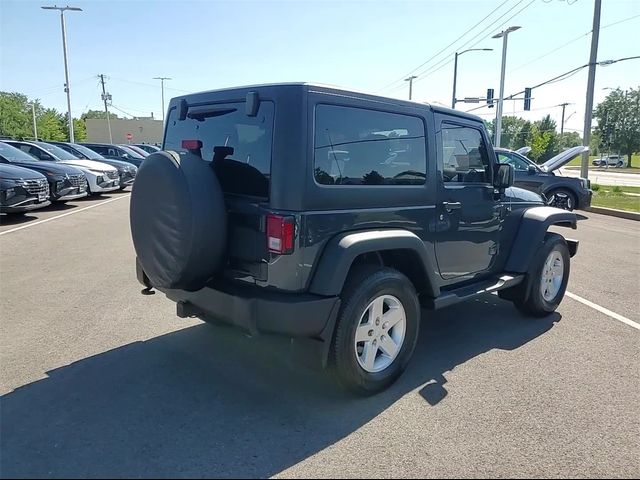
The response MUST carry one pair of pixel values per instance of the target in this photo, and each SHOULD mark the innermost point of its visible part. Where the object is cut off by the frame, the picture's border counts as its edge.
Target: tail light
(280, 233)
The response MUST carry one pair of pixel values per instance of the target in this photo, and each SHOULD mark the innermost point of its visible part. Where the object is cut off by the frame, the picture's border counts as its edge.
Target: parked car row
(34, 174)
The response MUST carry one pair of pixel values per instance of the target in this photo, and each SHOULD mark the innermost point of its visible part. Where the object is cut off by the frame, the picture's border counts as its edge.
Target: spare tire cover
(178, 220)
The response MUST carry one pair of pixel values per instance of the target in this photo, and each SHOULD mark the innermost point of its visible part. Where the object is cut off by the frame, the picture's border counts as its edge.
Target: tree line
(16, 120)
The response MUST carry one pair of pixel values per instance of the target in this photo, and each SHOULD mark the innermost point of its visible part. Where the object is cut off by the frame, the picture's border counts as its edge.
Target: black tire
(364, 285)
(562, 198)
(529, 299)
(619, 164)
(178, 220)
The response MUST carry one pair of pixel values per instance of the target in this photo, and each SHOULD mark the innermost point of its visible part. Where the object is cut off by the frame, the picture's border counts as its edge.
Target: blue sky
(362, 45)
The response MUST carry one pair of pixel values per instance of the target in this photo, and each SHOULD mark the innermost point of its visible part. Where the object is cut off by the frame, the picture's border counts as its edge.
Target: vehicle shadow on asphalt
(17, 219)
(210, 401)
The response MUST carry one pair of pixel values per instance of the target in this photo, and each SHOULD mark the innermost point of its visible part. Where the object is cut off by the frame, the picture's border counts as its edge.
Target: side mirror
(532, 169)
(504, 176)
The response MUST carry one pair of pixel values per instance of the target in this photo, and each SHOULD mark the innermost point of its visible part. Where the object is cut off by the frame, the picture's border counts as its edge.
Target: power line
(435, 68)
(563, 76)
(445, 48)
(571, 42)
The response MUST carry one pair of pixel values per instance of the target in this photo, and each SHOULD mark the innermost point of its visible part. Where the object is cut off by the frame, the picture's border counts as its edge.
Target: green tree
(569, 139)
(619, 122)
(100, 114)
(51, 126)
(514, 132)
(594, 143)
(15, 115)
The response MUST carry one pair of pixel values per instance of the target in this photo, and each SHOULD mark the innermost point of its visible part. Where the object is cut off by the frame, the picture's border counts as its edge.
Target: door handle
(450, 206)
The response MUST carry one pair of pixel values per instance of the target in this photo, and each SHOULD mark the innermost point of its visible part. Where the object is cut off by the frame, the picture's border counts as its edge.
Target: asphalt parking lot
(100, 381)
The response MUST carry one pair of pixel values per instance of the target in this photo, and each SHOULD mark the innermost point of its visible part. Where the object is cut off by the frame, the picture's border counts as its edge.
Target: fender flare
(341, 251)
(534, 224)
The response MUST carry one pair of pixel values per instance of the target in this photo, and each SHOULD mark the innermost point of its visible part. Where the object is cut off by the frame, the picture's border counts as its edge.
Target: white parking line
(606, 311)
(63, 215)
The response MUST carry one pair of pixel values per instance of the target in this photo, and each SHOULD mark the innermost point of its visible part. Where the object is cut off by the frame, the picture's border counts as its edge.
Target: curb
(614, 213)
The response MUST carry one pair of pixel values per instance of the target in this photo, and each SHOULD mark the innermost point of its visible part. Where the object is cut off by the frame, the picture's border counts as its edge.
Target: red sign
(129, 136)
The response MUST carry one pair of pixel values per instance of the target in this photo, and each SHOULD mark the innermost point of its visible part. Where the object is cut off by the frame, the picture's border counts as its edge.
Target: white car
(618, 161)
(101, 178)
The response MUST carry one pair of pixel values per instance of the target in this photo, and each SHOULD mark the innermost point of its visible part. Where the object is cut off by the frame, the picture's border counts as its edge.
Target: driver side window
(464, 154)
(518, 164)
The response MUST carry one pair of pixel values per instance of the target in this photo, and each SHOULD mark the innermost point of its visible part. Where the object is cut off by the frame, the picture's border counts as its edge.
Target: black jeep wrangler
(331, 217)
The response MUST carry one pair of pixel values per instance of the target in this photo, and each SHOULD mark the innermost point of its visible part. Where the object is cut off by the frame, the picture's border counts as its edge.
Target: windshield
(139, 151)
(58, 152)
(87, 152)
(131, 152)
(13, 154)
(246, 170)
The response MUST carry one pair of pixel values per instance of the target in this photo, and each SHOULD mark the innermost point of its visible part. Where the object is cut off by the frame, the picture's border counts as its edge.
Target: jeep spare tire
(178, 220)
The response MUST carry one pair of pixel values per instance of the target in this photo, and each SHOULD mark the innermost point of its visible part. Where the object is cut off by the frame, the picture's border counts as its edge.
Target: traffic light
(490, 97)
(527, 99)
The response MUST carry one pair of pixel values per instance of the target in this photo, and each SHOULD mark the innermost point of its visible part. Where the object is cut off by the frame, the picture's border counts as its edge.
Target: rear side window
(247, 170)
(355, 146)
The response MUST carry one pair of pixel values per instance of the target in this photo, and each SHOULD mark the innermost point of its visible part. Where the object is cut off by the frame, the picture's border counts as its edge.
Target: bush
(595, 187)
(617, 189)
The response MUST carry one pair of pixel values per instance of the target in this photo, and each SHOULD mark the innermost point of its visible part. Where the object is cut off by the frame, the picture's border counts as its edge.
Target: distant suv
(330, 217)
(610, 161)
(560, 191)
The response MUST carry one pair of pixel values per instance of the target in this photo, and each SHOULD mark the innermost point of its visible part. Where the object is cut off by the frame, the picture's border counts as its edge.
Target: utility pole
(162, 79)
(35, 126)
(588, 109)
(410, 80)
(67, 88)
(504, 34)
(563, 105)
(106, 96)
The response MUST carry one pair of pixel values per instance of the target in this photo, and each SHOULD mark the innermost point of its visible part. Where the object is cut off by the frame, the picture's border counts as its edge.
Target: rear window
(247, 170)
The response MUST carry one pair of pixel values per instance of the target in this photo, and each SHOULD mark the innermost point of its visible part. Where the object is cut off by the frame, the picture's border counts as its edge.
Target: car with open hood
(65, 181)
(101, 178)
(560, 191)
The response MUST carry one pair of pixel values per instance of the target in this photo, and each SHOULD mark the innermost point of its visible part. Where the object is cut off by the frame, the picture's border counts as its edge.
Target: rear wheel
(376, 331)
(619, 165)
(562, 198)
(547, 281)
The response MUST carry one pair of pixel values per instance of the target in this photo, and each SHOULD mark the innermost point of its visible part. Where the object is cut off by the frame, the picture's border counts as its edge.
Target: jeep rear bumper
(257, 311)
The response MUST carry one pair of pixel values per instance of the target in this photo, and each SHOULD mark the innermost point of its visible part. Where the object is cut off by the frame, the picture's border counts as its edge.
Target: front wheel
(376, 331)
(562, 198)
(547, 281)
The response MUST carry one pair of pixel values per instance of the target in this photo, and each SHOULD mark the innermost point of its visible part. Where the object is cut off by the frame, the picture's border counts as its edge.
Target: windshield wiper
(200, 113)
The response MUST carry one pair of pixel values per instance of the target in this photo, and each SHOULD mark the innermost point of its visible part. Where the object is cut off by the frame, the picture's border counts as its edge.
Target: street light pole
(67, 88)
(162, 79)
(35, 126)
(410, 80)
(504, 34)
(455, 70)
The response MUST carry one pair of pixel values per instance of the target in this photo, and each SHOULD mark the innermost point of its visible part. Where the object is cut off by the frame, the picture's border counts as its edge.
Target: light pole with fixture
(67, 88)
(162, 79)
(455, 70)
(504, 35)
